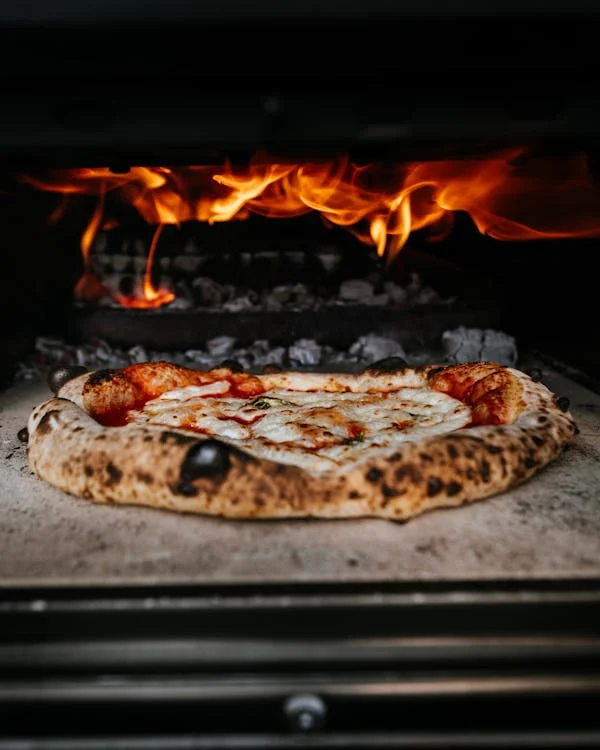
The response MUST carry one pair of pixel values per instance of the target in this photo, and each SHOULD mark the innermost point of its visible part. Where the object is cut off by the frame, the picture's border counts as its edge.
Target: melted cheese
(319, 431)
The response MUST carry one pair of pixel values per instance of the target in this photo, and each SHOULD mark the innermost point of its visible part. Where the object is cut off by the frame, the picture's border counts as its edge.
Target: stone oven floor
(548, 528)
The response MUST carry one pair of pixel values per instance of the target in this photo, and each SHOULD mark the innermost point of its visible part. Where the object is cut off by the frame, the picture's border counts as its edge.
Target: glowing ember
(508, 196)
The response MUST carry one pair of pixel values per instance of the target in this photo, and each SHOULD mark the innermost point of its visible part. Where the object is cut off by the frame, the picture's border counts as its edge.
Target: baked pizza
(392, 442)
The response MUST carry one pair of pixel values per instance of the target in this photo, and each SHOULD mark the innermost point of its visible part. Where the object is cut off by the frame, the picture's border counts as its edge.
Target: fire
(509, 196)
(148, 296)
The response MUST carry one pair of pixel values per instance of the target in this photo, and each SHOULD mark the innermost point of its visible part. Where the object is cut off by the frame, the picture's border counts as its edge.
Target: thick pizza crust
(143, 464)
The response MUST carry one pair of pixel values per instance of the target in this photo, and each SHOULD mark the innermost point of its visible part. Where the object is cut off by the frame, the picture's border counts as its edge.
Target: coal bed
(547, 528)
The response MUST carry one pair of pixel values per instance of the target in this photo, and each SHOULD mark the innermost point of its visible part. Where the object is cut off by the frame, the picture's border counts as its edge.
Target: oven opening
(311, 187)
(329, 261)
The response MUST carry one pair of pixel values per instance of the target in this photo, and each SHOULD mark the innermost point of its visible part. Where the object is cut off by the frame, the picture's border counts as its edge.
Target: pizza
(392, 441)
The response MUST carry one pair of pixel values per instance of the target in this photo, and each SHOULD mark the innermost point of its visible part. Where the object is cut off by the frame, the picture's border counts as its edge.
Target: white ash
(203, 292)
(239, 304)
(208, 292)
(371, 348)
(120, 262)
(305, 353)
(355, 290)
(180, 303)
(220, 346)
(397, 295)
(139, 264)
(187, 263)
(468, 344)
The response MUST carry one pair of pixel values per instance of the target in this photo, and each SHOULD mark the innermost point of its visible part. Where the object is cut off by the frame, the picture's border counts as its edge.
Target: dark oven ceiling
(88, 85)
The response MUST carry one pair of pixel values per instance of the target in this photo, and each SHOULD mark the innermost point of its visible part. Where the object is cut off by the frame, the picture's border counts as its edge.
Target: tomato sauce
(150, 381)
(241, 420)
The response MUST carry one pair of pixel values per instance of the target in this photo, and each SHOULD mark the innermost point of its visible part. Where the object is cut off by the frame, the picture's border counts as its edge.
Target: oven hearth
(547, 527)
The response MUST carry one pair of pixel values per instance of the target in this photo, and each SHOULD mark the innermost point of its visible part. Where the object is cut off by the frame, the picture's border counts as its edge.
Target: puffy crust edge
(142, 465)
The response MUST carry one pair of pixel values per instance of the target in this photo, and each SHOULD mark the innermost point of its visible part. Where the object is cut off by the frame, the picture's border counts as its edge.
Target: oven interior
(128, 626)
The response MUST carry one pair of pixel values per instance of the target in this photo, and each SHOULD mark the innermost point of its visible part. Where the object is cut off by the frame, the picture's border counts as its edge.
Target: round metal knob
(305, 712)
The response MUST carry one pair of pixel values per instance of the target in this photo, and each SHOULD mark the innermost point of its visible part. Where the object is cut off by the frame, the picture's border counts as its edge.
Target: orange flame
(148, 296)
(509, 196)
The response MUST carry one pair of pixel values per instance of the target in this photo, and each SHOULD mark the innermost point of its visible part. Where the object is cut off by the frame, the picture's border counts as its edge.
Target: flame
(509, 196)
(148, 296)
(89, 288)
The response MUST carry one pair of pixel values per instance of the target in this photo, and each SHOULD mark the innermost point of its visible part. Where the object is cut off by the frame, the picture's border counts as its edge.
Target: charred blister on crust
(535, 374)
(186, 489)
(563, 403)
(205, 459)
(373, 475)
(99, 377)
(176, 438)
(387, 366)
(434, 486)
(46, 423)
(61, 374)
(114, 474)
(246, 458)
(230, 364)
(493, 449)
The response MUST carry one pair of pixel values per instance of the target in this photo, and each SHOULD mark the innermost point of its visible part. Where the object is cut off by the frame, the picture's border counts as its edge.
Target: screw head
(305, 712)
